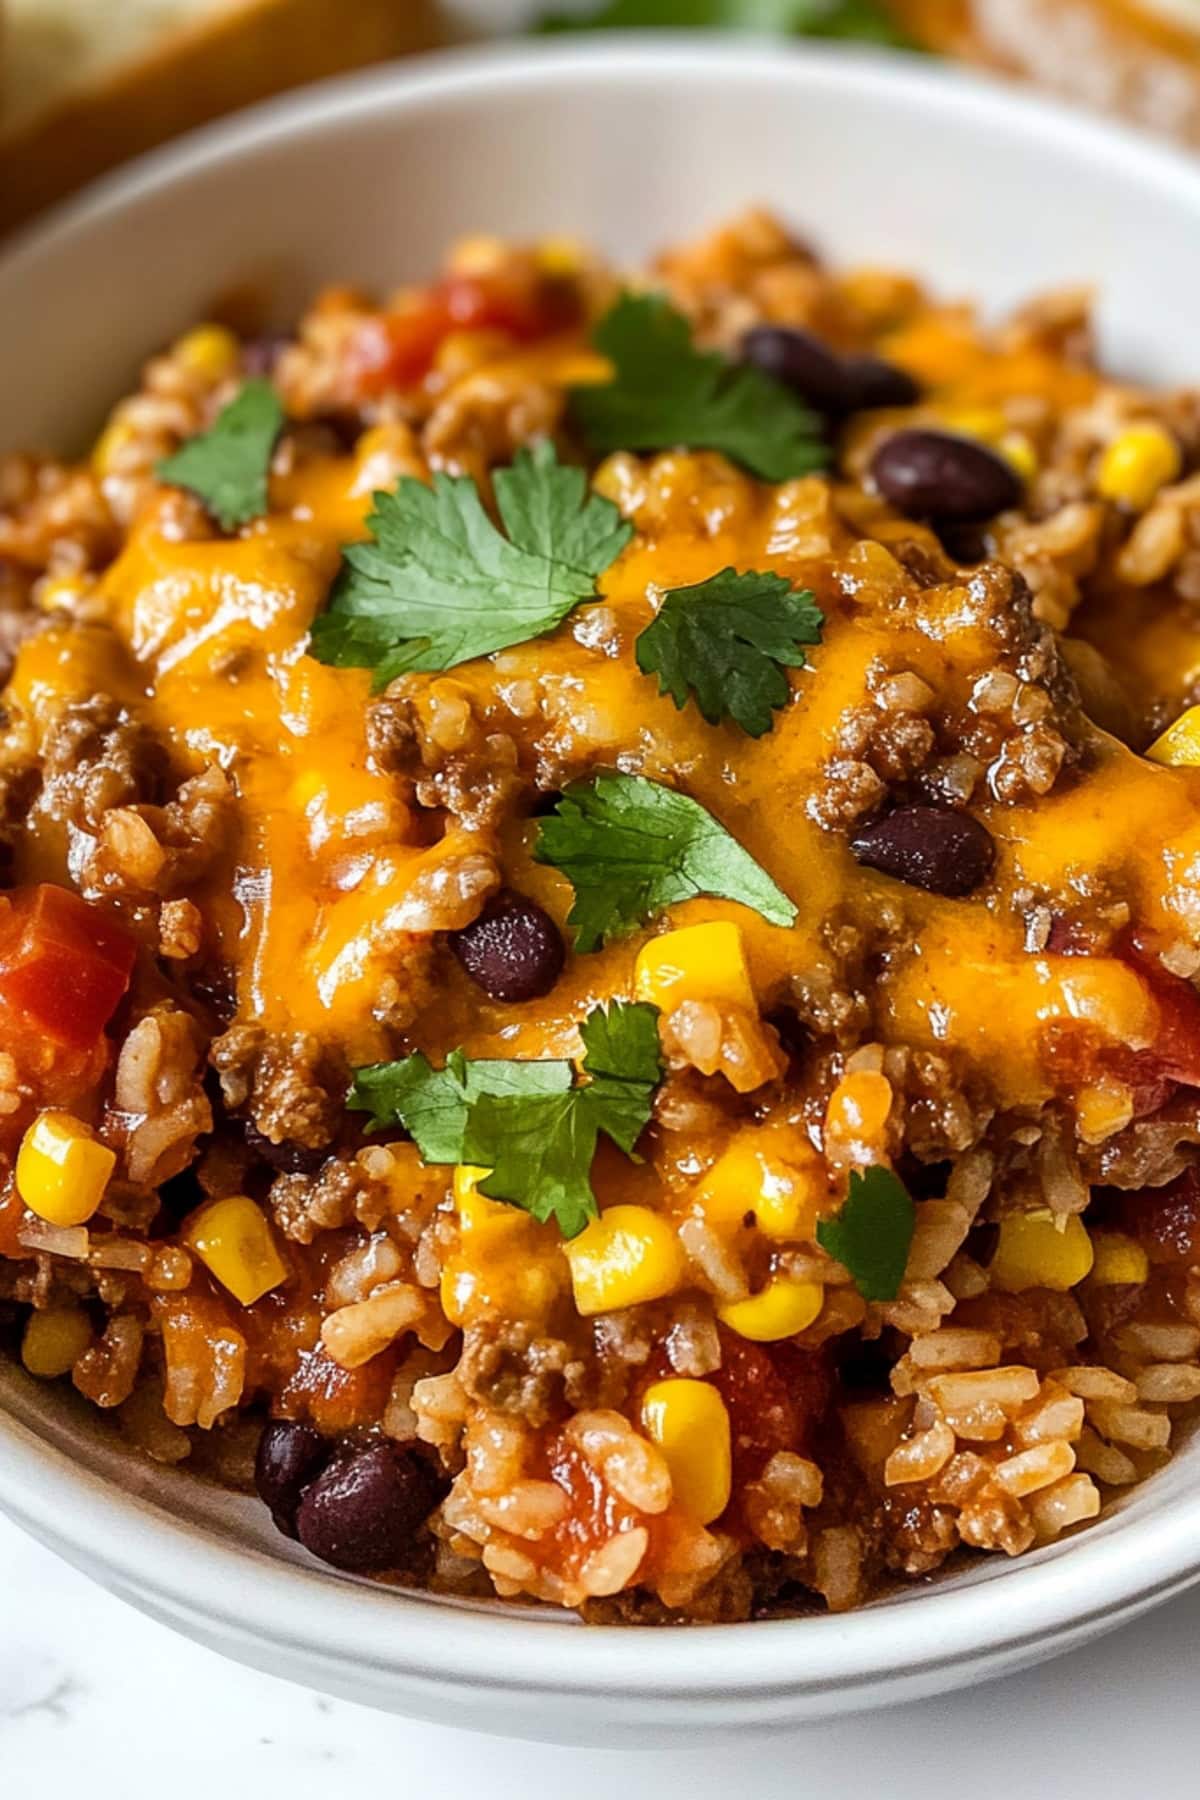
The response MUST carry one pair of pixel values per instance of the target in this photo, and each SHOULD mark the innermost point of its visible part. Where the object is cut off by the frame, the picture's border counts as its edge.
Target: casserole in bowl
(441, 113)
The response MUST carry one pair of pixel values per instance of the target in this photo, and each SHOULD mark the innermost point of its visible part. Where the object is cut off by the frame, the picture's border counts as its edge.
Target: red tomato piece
(64, 965)
(1166, 1220)
(775, 1398)
(1175, 1053)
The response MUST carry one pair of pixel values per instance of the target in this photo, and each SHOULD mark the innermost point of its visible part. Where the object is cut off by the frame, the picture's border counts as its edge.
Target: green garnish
(864, 21)
(631, 847)
(228, 465)
(439, 584)
(525, 1121)
(727, 642)
(665, 394)
(872, 1233)
(540, 1148)
(433, 1105)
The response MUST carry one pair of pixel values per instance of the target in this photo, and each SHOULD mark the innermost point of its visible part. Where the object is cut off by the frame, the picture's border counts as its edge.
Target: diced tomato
(64, 965)
(1166, 1220)
(1175, 1054)
(336, 1399)
(774, 1398)
(396, 350)
(524, 309)
(12, 1212)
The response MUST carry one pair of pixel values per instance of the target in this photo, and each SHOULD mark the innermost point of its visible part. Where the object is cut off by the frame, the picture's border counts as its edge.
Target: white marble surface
(99, 1702)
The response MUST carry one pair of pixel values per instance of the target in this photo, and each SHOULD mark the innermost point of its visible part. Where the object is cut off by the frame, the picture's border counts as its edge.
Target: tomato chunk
(396, 350)
(64, 965)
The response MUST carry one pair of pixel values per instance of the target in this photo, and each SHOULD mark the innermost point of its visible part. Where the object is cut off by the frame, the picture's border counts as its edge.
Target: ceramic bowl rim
(189, 1572)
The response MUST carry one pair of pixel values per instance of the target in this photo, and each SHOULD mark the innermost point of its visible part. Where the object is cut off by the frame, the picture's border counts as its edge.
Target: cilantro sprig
(665, 394)
(863, 21)
(527, 1123)
(434, 1105)
(438, 584)
(631, 847)
(727, 641)
(872, 1233)
(228, 465)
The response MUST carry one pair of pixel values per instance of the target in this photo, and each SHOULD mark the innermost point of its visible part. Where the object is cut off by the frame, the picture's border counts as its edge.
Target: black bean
(800, 361)
(290, 1455)
(935, 475)
(365, 1509)
(260, 354)
(874, 382)
(513, 950)
(794, 1035)
(928, 847)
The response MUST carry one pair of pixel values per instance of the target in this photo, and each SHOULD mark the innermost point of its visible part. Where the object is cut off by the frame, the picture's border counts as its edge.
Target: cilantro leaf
(872, 1233)
(228, 465)
(664, 393)
(539, 1150)
(727, 641)
(865, 21)
(433, 1105)
(438, 584)
(631, 847)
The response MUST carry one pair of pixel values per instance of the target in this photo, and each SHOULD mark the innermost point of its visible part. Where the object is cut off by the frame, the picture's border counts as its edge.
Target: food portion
(601, 923)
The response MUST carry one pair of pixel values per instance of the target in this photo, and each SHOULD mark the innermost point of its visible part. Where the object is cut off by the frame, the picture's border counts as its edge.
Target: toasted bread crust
(242, 53)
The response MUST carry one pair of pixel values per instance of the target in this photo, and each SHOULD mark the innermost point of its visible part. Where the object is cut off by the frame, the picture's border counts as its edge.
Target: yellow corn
(1034, 1251)
(772, 1172)
(561, 256)
(689, 1423)
(697, 962)
(235, 1243)
(1119, 1260)
(986, 423)
(62, 1171)
(505, 1262)
(209, 351)
(1018, 451)
(627, 1255)
(116, 437)
(1136, 464)
(55, 1340)
(781, 1310)
(1179, 744)
(857, 1114)
(1103, 1107)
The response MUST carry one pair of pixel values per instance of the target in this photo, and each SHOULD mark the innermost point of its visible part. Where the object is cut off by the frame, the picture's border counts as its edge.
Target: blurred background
(85, 84)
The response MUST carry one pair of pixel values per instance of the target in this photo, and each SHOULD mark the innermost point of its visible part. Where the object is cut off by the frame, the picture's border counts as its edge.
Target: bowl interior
(982, 192)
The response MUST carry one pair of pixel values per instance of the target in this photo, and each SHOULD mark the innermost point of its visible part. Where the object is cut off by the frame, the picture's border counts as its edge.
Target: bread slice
(89, 83)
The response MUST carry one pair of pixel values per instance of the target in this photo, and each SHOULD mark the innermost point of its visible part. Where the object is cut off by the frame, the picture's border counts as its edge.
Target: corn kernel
(62, 1171)
(1119, 1260)
(628, 1255)
(781, 1310)
(506, 1263)
(986, 423)
(1102, 1108)
(689, 1423)
(1019, 453)
(1179, 744)
(116, 437)
(55, 1340)
(561, 256)
(235, 1243)
(771, 1172)
(857, 1114)
(209, 351)
(1136, 464)
(1033, 1251)
(697, 962)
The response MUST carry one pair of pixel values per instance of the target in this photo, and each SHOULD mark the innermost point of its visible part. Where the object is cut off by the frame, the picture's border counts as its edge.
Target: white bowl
(896, 161)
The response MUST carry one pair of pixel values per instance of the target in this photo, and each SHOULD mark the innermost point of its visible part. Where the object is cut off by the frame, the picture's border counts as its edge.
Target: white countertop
(97, 1702)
